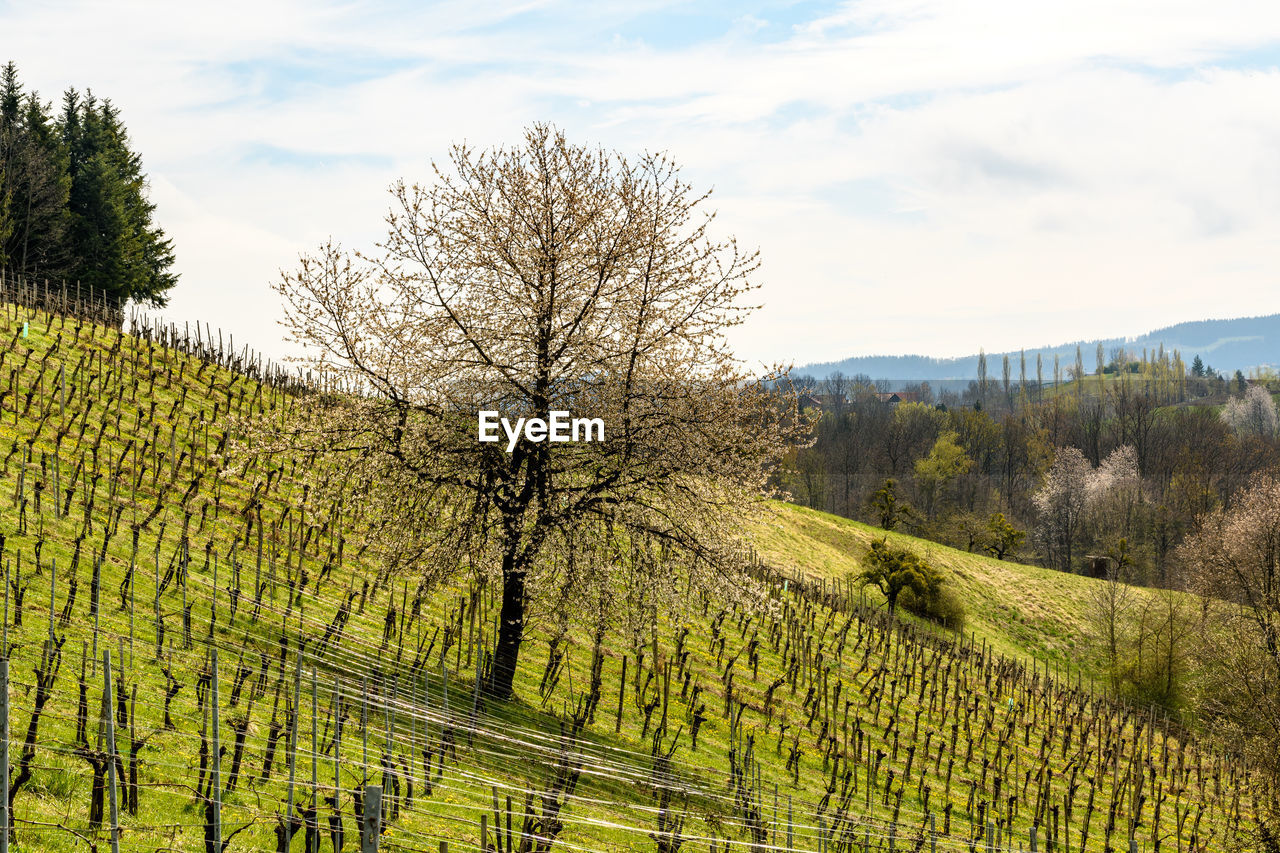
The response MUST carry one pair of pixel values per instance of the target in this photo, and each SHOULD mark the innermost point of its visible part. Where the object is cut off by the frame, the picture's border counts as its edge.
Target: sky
(922, 176)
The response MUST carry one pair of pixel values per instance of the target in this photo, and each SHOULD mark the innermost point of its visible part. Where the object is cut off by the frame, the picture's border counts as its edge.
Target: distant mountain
(1224, 345)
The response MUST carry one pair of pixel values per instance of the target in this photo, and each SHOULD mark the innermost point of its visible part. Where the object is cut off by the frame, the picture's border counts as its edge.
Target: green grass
(1015, 612)
(1018, 609)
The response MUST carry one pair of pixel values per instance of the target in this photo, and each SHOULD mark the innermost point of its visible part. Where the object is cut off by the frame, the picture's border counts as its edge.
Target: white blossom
(1252, 414)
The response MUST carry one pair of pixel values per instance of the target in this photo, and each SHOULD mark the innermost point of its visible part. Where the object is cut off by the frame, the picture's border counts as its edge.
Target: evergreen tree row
(73, 197)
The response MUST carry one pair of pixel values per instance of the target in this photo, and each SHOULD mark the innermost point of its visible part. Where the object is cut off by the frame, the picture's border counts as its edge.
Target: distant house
(825, 402)
(808, 401)
(899, 397)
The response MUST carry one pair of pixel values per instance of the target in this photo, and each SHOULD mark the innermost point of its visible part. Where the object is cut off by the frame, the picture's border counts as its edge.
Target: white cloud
(920, 176)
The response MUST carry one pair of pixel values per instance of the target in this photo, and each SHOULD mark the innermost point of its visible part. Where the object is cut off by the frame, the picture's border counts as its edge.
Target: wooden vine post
(108, 723)
(371, 832)
(4, 743)
(215, 822)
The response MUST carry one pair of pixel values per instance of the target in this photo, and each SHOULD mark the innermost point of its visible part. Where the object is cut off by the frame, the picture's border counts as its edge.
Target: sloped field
(818, 725)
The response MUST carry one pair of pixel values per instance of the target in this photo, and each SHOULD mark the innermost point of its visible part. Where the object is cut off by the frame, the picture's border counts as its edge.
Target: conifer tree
(33, 184)
(73, 198)
(115, 247)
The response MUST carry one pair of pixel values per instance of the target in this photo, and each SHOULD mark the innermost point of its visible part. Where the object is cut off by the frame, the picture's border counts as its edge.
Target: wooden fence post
(364, 726)
(390, 717)
(156, 607)
(371, 832)
(95, 585)
(53, 598)
(315, 746)
(475, 700)
(337, 750)
(213, 603)
(293, 750)
(444, 700)
(622, 692)
(217, 756)
(4, 748)
(108, 720)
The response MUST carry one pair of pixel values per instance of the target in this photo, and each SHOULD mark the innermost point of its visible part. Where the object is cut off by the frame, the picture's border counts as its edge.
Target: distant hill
(1225, 345)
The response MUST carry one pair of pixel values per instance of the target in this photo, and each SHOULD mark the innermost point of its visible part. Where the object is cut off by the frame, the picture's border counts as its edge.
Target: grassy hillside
(1019, 610)
(820, 726)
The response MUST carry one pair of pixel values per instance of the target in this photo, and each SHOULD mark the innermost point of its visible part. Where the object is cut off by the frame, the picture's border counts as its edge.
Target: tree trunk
(510, 629)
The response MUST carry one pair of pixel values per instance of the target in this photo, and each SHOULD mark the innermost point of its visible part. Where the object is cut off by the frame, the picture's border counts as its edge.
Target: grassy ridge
(139, 428)
(1018, 609)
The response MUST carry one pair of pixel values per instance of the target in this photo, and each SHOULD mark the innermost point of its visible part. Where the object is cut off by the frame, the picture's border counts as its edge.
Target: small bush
(909, 581)
(943, 607)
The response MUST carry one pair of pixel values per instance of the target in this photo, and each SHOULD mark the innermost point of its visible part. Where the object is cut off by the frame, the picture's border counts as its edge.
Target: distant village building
(808, 401)
(824, 402)
(894, 397)
(840, 402)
